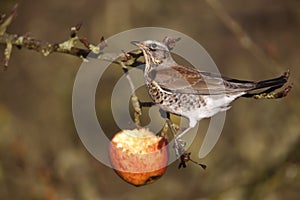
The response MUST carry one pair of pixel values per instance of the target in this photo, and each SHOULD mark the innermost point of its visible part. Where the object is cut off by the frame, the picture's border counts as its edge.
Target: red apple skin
(138, 156)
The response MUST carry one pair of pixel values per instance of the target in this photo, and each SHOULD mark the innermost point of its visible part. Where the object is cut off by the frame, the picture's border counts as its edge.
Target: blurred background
(257, 156)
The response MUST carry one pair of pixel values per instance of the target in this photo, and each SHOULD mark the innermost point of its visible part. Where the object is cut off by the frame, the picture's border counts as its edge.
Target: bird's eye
(153, 47)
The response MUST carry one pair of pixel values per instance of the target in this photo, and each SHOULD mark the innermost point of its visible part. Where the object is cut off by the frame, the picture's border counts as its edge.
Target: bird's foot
(182, 155)
(184, 158)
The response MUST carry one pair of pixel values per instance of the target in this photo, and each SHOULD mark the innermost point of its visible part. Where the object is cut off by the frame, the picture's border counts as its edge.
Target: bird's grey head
(156, 53)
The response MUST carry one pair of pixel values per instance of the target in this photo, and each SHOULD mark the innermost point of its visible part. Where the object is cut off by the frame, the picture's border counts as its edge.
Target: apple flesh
(139, 156)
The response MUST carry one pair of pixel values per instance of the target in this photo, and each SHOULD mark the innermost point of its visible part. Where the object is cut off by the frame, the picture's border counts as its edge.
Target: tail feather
(268, 86)
(275, 82)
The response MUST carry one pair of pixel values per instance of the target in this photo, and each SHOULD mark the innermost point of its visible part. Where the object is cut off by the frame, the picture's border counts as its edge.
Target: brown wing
(192, 81)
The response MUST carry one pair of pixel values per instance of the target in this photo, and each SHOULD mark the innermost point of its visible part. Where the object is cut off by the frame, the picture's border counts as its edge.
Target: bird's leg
(180, 152)
(178, 144)
(179, 135)
(185, 156)
(170, 125)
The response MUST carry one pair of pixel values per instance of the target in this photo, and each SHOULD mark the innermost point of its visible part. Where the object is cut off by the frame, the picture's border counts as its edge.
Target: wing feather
(189, 80)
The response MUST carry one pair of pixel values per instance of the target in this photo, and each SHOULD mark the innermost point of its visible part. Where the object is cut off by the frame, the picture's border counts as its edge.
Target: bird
(194, 94)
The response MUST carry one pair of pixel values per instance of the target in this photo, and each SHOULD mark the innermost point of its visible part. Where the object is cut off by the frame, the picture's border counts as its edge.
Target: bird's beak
(138, 44)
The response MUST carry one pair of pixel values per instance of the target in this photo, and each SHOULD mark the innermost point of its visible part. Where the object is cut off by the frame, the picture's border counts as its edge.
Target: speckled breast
(178, 103)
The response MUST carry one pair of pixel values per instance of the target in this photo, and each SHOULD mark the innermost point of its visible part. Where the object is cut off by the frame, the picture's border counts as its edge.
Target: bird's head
(155, 53)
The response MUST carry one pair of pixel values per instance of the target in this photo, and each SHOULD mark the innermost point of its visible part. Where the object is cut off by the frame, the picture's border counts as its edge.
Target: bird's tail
(275, 82)
(263, 89)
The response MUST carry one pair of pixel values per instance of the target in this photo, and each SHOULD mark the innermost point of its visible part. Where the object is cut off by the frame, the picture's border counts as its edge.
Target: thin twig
(134, 99)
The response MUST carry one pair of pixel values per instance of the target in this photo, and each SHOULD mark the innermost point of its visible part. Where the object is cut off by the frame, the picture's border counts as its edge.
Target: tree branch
(70, 47)
(66, 47)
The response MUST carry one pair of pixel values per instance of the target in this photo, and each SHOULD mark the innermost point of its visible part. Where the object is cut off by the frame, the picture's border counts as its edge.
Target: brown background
(42, 157)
